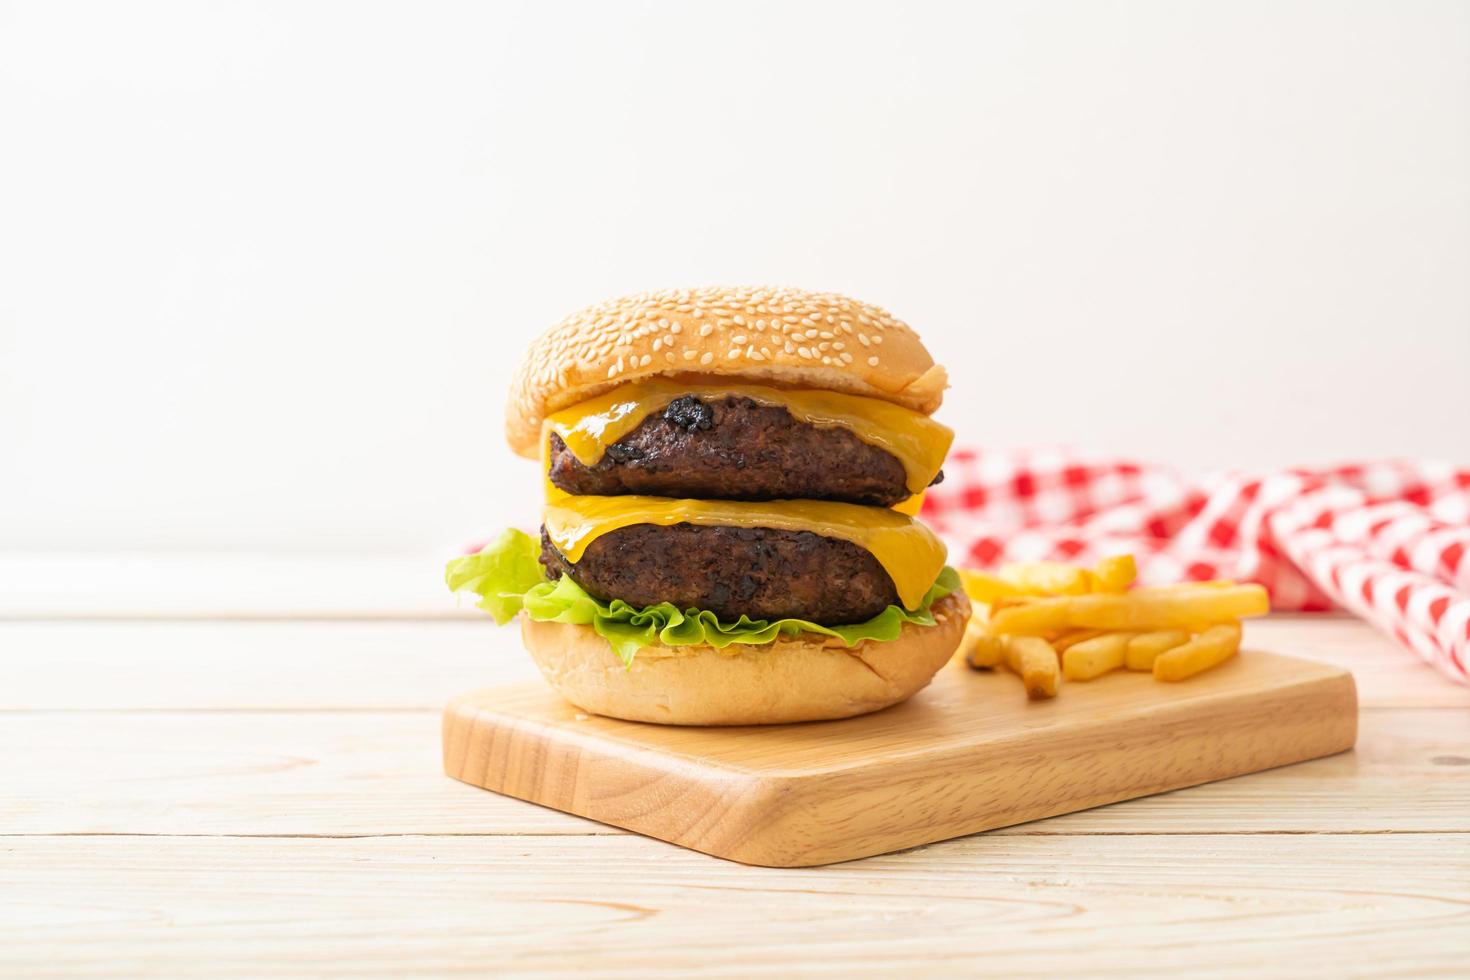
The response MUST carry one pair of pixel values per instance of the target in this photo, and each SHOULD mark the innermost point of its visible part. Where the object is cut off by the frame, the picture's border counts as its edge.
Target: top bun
(771, 335)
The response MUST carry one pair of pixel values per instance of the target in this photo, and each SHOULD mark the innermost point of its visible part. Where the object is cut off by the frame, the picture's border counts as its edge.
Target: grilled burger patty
(735, 449)
(760, 572)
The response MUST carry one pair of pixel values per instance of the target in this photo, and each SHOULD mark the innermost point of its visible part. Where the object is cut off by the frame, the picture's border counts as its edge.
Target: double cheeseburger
(728, 536)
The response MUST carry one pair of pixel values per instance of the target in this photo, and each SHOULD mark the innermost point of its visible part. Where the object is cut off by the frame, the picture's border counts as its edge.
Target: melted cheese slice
(917, 441)
(911, 505)
(908, 551)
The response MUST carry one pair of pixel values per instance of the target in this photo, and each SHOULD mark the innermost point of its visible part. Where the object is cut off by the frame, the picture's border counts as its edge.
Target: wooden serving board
(968, 753)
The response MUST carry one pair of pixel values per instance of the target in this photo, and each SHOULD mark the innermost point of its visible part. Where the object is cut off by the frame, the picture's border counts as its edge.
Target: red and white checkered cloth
(1389, 541)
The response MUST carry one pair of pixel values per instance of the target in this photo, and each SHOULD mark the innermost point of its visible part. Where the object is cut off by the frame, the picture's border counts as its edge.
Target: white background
(265, 268)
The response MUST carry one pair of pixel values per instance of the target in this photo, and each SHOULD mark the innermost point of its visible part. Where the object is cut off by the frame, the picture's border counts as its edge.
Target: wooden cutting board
(968, 753)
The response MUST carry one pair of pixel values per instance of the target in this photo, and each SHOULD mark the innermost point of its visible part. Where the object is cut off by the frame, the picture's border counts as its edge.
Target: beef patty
(760, 572)
(735, 449)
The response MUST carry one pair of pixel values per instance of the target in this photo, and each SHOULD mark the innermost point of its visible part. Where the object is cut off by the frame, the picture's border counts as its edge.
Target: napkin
(1385, 540)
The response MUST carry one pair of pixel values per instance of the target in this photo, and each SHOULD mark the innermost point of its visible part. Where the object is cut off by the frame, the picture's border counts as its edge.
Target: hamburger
(731, 479)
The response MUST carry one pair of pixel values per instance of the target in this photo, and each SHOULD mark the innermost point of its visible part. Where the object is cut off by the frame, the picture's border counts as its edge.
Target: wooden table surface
(230, 766)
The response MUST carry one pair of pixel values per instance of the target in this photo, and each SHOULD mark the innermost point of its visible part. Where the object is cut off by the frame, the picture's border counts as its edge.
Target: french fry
(1211, 648)
(1095, 657)
(1071, 638)
(1211, 583)
(1012, 601)
(1048, 578)
(1141, 610)
(1115, 573)
(1036, 662)
(1144, 648)
(982, 648)
(1047, 620)
(986, 588)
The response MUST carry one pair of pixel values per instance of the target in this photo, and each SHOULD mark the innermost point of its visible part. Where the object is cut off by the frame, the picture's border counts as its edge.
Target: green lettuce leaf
(501, 573)
(507, 577)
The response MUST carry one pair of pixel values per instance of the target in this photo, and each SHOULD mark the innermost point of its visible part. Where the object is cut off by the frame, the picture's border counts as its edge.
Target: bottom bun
(810, 678)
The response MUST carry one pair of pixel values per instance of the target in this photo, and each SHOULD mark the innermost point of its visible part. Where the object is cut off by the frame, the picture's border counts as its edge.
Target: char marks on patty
(734, 448)
(759, 572)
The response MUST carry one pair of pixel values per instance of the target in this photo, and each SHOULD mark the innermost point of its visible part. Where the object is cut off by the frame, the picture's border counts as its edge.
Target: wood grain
(288, 738)
(56, 585)
(203, 664)
(264, 665)
(1387, 674)
(630, 907)
(370, 773)
(965, 755)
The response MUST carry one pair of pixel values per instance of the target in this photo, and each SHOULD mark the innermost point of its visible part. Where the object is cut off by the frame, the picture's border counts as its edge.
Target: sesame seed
(584, 344)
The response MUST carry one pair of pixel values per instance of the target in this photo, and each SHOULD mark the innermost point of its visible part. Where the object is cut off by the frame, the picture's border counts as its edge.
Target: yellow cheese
(917, 441)
(908, 551)
(911, 505)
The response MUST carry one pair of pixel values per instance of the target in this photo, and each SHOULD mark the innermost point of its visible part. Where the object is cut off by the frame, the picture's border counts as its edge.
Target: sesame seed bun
(766, 335)
(811, 678)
